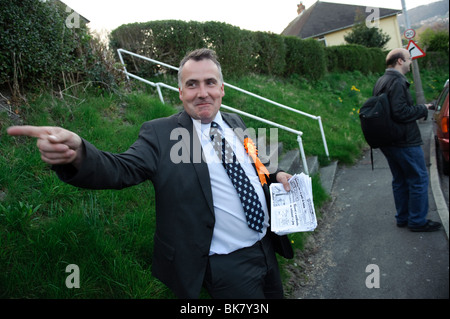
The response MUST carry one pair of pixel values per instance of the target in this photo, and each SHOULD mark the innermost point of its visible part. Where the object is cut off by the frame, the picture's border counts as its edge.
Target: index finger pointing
(27, 130)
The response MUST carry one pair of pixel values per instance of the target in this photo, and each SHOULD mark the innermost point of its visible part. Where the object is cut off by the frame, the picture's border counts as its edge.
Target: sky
(254, 15)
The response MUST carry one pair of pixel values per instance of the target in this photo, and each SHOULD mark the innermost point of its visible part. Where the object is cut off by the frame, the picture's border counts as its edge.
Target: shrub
(434, 60)
(165, 41)
(239, 51)
(368, 37)
(168, 41)
(304, 57)
(234, 47)
(435, 40)
(35, 45)
(342, 58)
(271, 54)
(37, 48)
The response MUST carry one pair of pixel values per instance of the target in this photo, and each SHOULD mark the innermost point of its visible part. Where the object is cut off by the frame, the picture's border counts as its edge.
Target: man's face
(406, 67)
(201, 89)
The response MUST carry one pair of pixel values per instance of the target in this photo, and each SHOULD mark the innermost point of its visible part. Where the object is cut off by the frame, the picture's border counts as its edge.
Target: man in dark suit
(203, 236)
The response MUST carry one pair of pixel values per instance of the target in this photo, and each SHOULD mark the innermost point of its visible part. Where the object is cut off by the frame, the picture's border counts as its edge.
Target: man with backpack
(405, 155)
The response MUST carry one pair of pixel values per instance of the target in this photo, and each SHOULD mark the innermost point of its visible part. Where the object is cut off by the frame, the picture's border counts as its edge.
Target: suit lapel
(233, 123)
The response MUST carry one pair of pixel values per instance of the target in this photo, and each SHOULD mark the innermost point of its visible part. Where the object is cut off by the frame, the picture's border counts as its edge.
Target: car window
(441, 99)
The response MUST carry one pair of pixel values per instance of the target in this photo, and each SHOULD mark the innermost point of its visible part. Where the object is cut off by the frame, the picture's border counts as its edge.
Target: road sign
(414, 50)
(409, 34)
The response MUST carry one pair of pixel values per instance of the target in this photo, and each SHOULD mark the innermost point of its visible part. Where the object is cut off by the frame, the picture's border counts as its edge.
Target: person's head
(200, 83)
(399, 59)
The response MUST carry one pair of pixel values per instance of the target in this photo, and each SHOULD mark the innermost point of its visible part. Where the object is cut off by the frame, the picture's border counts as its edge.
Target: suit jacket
(184, 205)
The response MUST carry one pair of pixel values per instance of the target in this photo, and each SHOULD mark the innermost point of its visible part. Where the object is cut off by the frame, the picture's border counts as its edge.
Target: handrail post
(323, 137)
(158, 88)
(123, 63)
(302, 153)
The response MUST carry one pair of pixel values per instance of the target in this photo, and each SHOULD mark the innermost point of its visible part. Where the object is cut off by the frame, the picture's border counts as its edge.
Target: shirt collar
(204, 129)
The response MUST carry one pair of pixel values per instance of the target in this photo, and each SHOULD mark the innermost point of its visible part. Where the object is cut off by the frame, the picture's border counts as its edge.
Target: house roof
(326, 17)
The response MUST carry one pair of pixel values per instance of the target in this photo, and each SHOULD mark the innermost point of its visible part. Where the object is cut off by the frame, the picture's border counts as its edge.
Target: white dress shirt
(231, 231)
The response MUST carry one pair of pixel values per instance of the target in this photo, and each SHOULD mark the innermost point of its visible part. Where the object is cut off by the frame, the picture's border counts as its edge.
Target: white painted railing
(299, 134)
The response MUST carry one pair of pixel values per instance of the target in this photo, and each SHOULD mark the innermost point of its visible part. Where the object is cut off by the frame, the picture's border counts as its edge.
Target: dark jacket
(184, 203)
(404, 112)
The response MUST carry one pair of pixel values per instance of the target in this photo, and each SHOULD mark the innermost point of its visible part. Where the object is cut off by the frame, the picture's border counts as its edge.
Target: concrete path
(357, 250)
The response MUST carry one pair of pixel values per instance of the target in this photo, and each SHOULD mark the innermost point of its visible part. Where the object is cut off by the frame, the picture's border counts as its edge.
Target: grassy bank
(46, 225)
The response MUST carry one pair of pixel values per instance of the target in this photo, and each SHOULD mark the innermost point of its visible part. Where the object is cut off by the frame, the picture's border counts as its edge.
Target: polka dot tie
(244, 188)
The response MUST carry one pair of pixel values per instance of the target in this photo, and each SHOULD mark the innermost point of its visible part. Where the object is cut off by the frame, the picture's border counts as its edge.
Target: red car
(440, 126)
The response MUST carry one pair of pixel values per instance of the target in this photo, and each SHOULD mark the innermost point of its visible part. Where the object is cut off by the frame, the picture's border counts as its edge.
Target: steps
(292, 163)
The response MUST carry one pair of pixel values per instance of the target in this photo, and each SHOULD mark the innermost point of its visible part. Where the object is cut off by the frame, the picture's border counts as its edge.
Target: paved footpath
(358, 244)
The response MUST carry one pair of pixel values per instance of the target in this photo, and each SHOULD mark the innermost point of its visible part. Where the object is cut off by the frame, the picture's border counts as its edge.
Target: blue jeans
(409, 183)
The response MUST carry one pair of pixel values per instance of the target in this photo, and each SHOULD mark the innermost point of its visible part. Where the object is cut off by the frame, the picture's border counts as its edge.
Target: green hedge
(165, 41)
(305, 57)
(271, 54)
(168, 41)
(434, 60)
(35, 45)
(235, 47)
(240, 51)
(38, 49)
(342, 58)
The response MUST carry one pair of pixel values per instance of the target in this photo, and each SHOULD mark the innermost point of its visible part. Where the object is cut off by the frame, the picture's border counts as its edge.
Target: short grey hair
(199, 55)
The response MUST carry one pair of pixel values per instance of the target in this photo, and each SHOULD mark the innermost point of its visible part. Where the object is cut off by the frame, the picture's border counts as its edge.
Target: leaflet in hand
(293, 211)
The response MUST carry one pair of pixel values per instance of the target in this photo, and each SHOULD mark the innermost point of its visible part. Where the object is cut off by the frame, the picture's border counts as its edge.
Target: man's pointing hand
(57, 145)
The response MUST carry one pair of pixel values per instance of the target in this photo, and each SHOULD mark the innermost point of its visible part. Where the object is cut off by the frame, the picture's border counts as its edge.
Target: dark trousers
(248, 273)
(409, 183)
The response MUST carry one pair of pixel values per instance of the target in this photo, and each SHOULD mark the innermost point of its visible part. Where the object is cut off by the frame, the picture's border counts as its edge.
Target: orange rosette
(252, 151)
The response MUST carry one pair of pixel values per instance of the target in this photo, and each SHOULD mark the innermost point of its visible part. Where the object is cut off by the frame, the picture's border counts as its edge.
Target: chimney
(300, 8)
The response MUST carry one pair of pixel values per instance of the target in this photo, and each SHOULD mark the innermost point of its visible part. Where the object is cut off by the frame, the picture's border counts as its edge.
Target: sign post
(409, 34)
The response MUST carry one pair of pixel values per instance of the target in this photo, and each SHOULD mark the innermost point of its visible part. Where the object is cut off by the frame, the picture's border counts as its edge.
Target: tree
(368, 37)
(435, 40)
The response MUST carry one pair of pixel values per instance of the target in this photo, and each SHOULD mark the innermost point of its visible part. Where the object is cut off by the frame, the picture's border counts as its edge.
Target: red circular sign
(409, 34)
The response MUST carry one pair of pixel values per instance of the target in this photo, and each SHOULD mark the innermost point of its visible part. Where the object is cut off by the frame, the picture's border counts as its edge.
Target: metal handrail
(298, 133)
(314, 117)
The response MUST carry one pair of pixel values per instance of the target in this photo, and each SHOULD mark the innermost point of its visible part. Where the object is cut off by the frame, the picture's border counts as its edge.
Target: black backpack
(377, 125)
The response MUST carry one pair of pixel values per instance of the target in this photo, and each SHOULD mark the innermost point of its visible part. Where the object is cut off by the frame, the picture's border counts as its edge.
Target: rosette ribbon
(252, 151)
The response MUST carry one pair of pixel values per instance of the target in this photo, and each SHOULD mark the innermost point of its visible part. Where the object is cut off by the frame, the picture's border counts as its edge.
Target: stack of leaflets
(293, 211)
